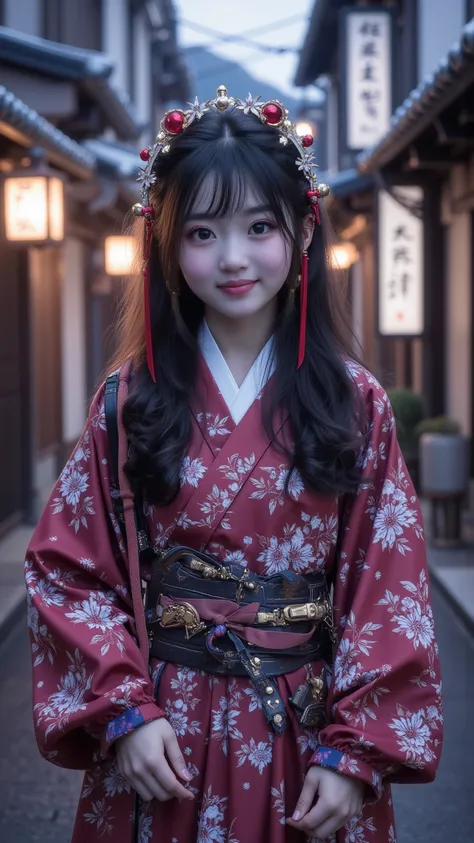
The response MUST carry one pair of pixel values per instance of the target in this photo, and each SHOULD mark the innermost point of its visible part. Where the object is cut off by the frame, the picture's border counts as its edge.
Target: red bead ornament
(273, 113)
(145, 154)
(313, 196)
(307, 140)
(174, 122)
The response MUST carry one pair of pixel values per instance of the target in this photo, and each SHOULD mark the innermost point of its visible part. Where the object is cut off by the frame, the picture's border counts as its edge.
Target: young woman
(248, 710)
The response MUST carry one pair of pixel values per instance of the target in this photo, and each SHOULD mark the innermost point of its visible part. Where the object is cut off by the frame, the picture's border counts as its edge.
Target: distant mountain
(208, 71)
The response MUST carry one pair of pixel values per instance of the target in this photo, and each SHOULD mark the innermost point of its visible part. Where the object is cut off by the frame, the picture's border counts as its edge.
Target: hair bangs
(218, 177)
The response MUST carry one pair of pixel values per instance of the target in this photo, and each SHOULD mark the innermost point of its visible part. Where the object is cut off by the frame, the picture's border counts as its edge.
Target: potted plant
(444, 475)
(409, 411)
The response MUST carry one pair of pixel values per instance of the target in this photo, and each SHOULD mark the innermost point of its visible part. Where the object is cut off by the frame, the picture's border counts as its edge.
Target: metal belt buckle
(306, 612)
(275, 618)
(178, 615)
(293, 614)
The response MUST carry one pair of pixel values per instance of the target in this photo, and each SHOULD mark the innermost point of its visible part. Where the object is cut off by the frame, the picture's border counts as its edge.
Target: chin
(240, 311)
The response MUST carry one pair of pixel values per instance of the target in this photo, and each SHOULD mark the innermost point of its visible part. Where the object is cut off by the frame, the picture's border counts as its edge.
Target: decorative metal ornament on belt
(175, 122)
(223, 619)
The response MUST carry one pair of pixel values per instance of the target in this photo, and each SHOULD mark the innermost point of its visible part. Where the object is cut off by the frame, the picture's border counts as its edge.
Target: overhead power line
(221, 38)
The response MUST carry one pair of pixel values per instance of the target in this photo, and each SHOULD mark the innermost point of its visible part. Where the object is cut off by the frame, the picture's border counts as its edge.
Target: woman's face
(237, 264)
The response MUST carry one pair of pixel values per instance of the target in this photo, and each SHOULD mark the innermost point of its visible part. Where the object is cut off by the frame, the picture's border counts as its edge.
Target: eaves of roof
(318, 46)
(89, 68)
(23, 125)
(347, 181)
(114, 161)
(454, 74)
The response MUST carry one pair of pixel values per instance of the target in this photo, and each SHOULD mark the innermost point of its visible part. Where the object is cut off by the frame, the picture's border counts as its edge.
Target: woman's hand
(147, 757)
(339, 799)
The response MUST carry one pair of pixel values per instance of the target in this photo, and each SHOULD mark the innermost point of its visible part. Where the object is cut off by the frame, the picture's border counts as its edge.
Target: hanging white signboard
(400, 264)
(368, 76)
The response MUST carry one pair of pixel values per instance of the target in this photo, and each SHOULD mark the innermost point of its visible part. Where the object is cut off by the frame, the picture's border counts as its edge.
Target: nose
(233, 257)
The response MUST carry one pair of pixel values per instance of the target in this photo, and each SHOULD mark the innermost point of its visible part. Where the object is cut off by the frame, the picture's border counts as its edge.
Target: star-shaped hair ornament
(306, 163)
(272, 113)
(146, 178)
(196, 110)
(249, 105)
(176, 121)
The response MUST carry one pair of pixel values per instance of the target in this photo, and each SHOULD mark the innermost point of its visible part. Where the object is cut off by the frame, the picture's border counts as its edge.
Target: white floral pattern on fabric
(384, 719)
(415, 734)
(413, 615)
(98, 612)
(178, 710)
(192, 471)
(70, 696)
(212, 827)
(301, 548)
(215, 425)
(224, 719)
(99, 815)
(272, 487)
(258, 754)
(72, 485)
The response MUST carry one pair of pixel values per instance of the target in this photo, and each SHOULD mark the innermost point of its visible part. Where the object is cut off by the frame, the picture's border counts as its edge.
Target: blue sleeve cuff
(352, 766)
(123, 724)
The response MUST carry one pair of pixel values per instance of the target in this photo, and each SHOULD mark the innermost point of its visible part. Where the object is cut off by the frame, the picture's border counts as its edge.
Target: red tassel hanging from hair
(146, 284)
(303, 307)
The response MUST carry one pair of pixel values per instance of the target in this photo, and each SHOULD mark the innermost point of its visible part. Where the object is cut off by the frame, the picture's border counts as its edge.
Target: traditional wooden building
(399, 81)
(82, 88)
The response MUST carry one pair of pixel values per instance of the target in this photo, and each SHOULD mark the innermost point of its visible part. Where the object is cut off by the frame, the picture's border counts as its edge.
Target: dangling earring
(303, 307)
(173, 293)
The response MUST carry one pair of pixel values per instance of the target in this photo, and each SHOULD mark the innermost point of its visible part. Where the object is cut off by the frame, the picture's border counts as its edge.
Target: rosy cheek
(194, 262)
(275, 254)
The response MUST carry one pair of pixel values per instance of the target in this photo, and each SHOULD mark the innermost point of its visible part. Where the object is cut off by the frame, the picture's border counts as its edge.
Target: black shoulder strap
(110, 410)
(111, 422)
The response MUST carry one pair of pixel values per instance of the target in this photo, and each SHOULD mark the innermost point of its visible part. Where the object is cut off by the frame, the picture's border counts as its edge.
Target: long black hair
(320, 399)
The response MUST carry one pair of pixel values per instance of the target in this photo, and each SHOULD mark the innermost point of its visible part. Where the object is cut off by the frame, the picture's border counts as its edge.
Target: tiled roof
(346, 182)
(23, 124)
(114, 160)
(91, 69)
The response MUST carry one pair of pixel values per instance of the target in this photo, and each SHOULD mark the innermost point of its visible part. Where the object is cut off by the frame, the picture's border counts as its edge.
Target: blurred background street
(386, 89)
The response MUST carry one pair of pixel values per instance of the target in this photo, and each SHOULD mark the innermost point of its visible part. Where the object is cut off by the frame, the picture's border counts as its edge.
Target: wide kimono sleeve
(385, 694)
(90, 682)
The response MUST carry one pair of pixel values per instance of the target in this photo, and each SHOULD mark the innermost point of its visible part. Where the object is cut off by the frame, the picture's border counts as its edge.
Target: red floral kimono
(91, 683)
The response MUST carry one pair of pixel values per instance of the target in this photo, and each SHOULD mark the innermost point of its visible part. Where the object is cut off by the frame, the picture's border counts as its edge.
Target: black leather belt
(223, 619)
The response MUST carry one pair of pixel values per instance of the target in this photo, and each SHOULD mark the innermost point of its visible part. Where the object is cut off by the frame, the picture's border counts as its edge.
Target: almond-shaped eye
(202, 234)
(262, 227)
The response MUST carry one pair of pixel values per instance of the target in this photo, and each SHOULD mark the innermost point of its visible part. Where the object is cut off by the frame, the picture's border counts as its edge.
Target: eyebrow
(255, 209)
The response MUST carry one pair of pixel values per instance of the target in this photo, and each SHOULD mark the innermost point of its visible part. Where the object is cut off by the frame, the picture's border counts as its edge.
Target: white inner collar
(238, 399)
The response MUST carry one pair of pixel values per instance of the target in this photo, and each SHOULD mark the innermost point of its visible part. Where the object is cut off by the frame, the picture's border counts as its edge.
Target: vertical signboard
(400, 264)
(366, 77)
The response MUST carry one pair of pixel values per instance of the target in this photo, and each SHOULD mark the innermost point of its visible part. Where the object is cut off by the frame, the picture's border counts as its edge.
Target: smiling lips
(238, 287)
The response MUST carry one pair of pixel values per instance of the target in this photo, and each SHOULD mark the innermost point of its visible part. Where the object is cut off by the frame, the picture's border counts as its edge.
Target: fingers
(310, 788)
(320, 818)
(166, 778)
(336, 821)
(175, 756)
(143, 791)
(326, 818)
(311, 819)
(154, 780)
(149, 788)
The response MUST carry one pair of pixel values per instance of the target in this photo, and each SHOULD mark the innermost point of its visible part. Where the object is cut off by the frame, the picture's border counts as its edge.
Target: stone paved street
(37, 800)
